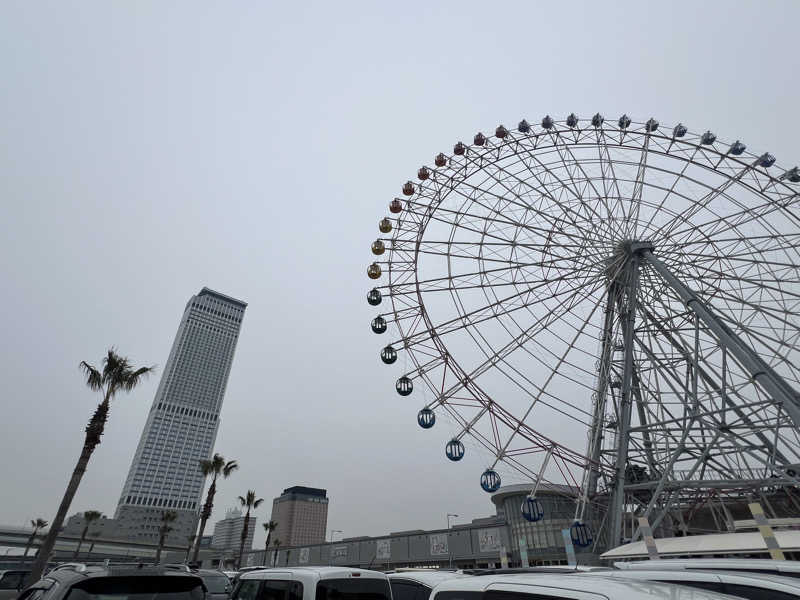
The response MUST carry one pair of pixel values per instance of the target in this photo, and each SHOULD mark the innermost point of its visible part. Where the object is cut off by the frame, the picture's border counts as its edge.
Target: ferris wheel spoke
(541, 323)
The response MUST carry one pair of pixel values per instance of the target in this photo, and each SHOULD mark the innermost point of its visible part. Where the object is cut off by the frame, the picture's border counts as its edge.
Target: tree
(269, 528)
(214, 467)
(94, 534)
(167, 517)
(37, 525)
(249, 501)
(89, 517)
(276, 544)
(189, 546)
(117, 375)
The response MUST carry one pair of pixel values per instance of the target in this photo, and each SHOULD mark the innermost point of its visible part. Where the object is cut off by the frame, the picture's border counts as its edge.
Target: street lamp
(450, 552)
(335, 531)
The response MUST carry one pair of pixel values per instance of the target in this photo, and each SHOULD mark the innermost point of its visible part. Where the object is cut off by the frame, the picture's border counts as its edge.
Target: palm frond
(258, 502)
(40, 523)
(229, 468)
(92, 515)
(132, 378)
(94, 379)
(242, 501)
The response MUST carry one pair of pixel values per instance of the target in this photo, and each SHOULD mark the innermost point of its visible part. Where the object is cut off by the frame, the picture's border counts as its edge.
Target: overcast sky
(148, 149)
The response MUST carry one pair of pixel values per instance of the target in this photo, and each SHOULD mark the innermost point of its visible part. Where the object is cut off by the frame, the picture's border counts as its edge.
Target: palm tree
(89, 516)
(167, 517)
(276, 544)
(189, 546)
(249, 501)
(117, 375)
(214, 467)
(269, 528)
(37, 525)
(94, 534)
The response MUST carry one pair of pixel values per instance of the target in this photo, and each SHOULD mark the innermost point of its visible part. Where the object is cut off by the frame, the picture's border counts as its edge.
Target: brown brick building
(302, 516)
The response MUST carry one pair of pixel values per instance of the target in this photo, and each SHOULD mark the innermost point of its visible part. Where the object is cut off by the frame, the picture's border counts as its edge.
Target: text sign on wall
(304, 555)
(489, 540)
(383, 550)
(339, 552)
(439, 544)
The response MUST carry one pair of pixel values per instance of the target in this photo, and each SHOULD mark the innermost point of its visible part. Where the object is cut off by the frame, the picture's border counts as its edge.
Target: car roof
(79, 572)
(429, 577)
(313, 572)
(767, 581)
(588, 583)
(739, 564)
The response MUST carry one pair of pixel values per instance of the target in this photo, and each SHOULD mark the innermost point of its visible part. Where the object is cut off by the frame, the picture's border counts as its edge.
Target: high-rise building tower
(302, 516)
(183, 421)
(228, 532)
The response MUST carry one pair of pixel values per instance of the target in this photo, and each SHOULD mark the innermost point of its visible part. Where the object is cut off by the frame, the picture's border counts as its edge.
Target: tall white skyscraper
(183, 421)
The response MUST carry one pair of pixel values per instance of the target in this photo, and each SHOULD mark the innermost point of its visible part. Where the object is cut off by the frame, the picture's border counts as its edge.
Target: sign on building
(439, 544)
(304, 555)
(383, 549)
(489, 540)
(338, 552)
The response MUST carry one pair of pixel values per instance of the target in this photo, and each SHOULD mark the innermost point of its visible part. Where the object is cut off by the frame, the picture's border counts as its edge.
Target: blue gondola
(597, 120)
(737, 148)
(581, 535)
(426, 418)
(388, 355)
(524, 126)
(679, 131)
(766, 160)
(404, 386)
(572, 120)
(374, 297)
(708, 138)
(490, 481)
(547, 122)
(651, 125)
(378, 325)
(624, 122)
(532, 509)
(454, 450)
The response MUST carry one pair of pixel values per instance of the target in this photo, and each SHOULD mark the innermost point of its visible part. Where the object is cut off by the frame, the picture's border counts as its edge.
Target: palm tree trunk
(80, 542)
(205, 515)
(161, 537)
(266, 548)
(30, 541)
(244, 536)
(91, 547)
(94, 430)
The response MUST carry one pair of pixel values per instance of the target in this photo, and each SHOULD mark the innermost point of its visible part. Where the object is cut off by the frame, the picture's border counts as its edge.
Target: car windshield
(138, 588)
(216, 584)
(353, 589)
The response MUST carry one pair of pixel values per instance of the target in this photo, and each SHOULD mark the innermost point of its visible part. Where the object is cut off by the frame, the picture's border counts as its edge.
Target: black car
(109, 583)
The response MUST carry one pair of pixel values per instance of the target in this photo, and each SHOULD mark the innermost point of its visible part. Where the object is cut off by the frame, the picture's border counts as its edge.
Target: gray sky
(148, 149)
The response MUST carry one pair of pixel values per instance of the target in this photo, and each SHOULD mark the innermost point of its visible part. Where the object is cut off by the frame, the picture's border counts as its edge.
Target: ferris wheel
(610, 305)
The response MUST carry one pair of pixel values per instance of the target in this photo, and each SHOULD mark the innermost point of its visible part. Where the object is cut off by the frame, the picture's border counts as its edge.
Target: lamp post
(450, 552)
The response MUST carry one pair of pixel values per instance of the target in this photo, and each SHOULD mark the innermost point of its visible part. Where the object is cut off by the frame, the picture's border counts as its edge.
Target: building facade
(503, 539)
(228, 533)
(183, 421)
(302, 516)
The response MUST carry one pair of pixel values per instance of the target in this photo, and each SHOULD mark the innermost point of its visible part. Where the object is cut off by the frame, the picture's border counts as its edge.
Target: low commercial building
(505, 538)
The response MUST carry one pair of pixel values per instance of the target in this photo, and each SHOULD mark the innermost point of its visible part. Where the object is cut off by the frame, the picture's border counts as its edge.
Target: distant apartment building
(102, 528)
(228, 532)
(183, 421)
(302, 516)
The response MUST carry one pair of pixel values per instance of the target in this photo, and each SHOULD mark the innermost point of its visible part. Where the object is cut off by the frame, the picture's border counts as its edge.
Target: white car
(312, 583)
(789, 568)
(572, 586)
(752, 586)
(410, 584)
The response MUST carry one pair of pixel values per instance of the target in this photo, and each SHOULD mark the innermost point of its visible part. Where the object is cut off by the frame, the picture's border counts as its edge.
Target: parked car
(79, 582)
(417, 584)
(567, 586)
(218, 585)
(11, 582)
(752, 586)
(788, 568)
(313, 583)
